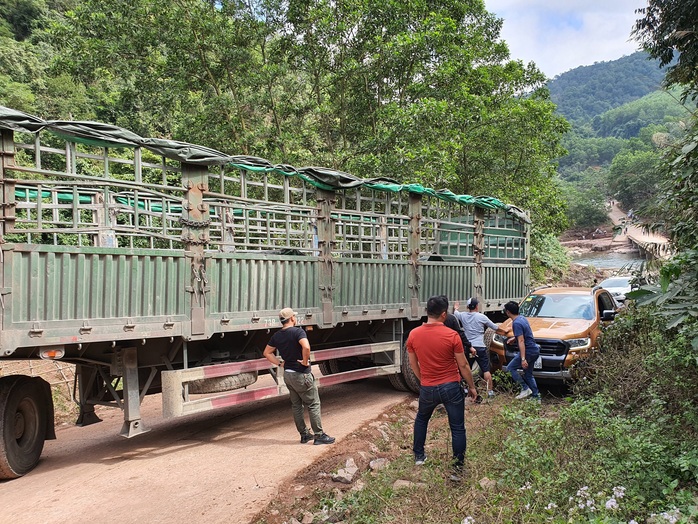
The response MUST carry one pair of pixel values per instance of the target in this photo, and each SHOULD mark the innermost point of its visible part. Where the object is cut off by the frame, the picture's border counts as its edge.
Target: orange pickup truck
(566, 322)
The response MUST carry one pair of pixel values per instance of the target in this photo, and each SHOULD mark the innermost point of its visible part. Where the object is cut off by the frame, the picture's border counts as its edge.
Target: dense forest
(588, 91)
(622, 122)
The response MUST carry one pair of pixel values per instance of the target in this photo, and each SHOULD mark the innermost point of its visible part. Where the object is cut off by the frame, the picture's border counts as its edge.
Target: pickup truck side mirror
(608, 315)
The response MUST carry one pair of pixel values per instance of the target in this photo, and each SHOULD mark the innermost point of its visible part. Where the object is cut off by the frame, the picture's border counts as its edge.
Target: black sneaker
(307, 437)
(323, 439)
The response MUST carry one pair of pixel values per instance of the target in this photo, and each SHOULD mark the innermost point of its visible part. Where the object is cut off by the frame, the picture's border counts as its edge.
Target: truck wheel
(408, 375)
(324, 366)
(340, 365)
(23, 414)
(398, 382)
(221, 384)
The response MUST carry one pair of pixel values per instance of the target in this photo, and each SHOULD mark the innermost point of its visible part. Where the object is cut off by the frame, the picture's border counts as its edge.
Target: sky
(559, 35)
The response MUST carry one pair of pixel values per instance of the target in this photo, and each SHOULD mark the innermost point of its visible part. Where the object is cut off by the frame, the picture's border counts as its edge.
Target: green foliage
(634, 177)
(587, 91)
(21, 16)
(549, 260)
(679, 199)
(585, 207)
(667, 30)
(627, 120)
(584, 463)
(587, 152)
(16, 95)
(677, 203)
(639, 339)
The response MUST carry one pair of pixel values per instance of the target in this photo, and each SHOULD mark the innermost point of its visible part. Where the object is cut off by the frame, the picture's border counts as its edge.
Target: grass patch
(622, 448)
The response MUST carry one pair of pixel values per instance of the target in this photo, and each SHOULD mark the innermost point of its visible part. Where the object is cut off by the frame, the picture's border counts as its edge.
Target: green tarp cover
(105, 135)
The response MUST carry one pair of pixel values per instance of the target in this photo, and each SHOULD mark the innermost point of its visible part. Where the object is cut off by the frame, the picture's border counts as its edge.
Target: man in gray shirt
(475, 324)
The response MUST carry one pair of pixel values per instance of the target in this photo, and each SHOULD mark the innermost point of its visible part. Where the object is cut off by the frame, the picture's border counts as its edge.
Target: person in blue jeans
(436, 357)
(529, 352)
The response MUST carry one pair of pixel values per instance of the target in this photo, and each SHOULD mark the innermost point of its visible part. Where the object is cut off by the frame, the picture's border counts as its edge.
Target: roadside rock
(346, 474)
(378, 464)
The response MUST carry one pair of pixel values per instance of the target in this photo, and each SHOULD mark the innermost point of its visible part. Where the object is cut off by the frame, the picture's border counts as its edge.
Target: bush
(549, 260)
(642, 365)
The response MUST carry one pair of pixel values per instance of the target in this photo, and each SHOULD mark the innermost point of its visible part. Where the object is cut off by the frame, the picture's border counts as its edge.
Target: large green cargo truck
(157, 266)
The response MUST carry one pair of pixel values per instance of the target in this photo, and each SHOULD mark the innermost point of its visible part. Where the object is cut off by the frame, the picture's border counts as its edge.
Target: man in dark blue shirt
(529, 351)
(294, 348)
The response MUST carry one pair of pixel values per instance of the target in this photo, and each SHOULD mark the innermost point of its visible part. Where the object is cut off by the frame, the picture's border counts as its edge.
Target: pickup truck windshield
(558, 306)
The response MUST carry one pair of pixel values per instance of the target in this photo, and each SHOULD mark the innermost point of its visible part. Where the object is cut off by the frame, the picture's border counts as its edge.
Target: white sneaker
(524, 394)
(420, 461)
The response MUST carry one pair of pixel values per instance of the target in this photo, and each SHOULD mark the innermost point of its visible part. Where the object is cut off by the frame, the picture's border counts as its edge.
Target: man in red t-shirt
(437, 359)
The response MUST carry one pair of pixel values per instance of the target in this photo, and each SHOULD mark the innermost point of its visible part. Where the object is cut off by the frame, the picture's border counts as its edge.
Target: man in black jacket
(453, 323)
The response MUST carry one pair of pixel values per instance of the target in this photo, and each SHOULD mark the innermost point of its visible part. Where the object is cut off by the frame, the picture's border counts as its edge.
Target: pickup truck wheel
(23, 414)
(221, 384)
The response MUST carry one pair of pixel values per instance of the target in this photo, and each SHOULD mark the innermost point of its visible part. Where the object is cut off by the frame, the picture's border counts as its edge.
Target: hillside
(657, 107)
(588, 91)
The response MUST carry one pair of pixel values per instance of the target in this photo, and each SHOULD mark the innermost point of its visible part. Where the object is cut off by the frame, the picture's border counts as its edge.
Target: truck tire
(398, 382)
(222, 384)
(408, 375)
(340, 365)
(324, 366)
(23, 420)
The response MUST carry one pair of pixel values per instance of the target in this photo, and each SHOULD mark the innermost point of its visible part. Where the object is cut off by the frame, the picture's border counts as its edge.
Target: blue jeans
(527, 379)
(451, 396)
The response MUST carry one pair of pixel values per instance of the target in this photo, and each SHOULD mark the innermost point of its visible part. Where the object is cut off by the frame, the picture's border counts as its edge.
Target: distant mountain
(588, 91)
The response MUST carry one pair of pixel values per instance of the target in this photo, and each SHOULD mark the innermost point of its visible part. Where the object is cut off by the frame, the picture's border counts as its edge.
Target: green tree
(417, 91)
(585, 207)
(634, 177)
(668, 29)
(21, 16)
(427, 91)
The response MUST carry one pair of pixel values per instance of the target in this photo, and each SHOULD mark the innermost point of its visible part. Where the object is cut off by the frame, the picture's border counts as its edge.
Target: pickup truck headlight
(576, 343)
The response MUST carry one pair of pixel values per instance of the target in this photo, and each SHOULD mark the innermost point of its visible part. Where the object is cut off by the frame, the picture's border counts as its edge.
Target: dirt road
(220, 466)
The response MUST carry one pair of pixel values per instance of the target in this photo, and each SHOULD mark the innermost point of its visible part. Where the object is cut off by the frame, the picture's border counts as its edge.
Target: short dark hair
(473, 303)
(512, 307)
(436, 306)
